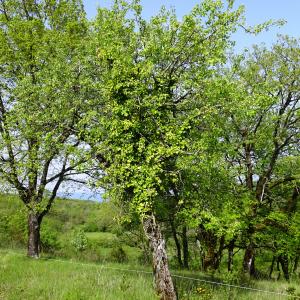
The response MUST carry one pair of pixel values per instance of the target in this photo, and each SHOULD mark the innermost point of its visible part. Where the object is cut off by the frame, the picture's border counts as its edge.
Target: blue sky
(257, 11)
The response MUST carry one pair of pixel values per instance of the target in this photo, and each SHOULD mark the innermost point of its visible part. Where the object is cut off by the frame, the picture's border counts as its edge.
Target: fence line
(183, 277)
(173, 275)
(236, 286)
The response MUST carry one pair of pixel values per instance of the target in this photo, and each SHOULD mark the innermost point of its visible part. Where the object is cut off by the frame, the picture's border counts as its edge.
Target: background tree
(40, 96)
(252, 130)
(262, 127)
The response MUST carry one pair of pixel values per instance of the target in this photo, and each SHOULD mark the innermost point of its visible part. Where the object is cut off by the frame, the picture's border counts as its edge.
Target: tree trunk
(219, 254)
(162, 277)
(249, 260)
(177, 243)
(185, 246)
(230, 255)
(278, 269)
(296, 263)
(33, 249)
(291, 206)
(272, 267)
(284, 262)
(210, 257)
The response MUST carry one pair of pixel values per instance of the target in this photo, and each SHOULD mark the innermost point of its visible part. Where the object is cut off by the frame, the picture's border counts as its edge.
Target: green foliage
(291, 290)
(59, 228)
(145, 258)
(103, 218)
(118, 254)
(13, 223)
(102, 239)
(40, 54)
(166, 123)
(150, 75)
(246, 175)
(79, 241)
(49, 240)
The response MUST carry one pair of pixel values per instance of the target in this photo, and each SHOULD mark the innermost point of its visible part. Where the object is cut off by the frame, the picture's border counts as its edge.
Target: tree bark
(162, 277)
(249, 260)
(177, 243)
(33, 249)
(272, 267)
(211, 255)
(278, 269)
(291, 206)
(296, 263)
(220, 252)
(185, 246)
(230, 255)
(284, 262)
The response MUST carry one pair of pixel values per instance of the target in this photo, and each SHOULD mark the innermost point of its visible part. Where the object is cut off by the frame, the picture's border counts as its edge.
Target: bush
(118, 254)
(79, 241)
(90, 226)
(13, 228)
(49, 240)
(290, 290)
(237, 277)
(145, 258)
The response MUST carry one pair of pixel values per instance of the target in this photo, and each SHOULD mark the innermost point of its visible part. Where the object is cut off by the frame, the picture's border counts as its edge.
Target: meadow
(195, 143)
(25, 278)
(88, 257)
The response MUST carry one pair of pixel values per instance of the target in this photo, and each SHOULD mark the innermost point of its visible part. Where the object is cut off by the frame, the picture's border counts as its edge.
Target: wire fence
(185, 278)
(173, 275)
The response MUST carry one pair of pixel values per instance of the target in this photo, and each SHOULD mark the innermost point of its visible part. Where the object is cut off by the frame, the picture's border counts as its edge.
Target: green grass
(102, 238)
(28, 279)
(106, 241)
(189, 290)
(24, 278)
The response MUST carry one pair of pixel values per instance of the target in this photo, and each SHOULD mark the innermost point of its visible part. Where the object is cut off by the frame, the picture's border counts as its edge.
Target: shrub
(291, 290)
(49, 240)
(13, 228)
(118, 254)
(79, 241)
(145, 257)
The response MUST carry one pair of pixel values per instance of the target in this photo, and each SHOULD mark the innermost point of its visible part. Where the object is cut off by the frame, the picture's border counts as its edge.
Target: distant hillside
(73, 229)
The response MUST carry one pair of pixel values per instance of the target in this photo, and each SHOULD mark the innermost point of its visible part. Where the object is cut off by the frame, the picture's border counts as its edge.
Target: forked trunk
(33, 236)
(162, 277)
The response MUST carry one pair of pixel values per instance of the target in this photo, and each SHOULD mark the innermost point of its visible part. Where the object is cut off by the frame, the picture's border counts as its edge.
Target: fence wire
(173, 275)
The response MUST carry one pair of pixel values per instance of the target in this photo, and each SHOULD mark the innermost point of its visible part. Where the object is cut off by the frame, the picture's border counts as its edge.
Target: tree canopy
(186, 136)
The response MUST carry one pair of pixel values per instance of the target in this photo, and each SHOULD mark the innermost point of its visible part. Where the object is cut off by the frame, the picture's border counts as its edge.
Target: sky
(257, 11)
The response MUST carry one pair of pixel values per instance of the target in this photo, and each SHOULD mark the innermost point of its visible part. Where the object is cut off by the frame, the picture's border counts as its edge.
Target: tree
(153, 81)
(219, 179)
(40, 101)
(262, 125)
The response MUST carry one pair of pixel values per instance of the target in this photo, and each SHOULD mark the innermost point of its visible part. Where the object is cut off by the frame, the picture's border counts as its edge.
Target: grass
(201, 290)
(106, 241)
(103, 239)
(24, 278)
